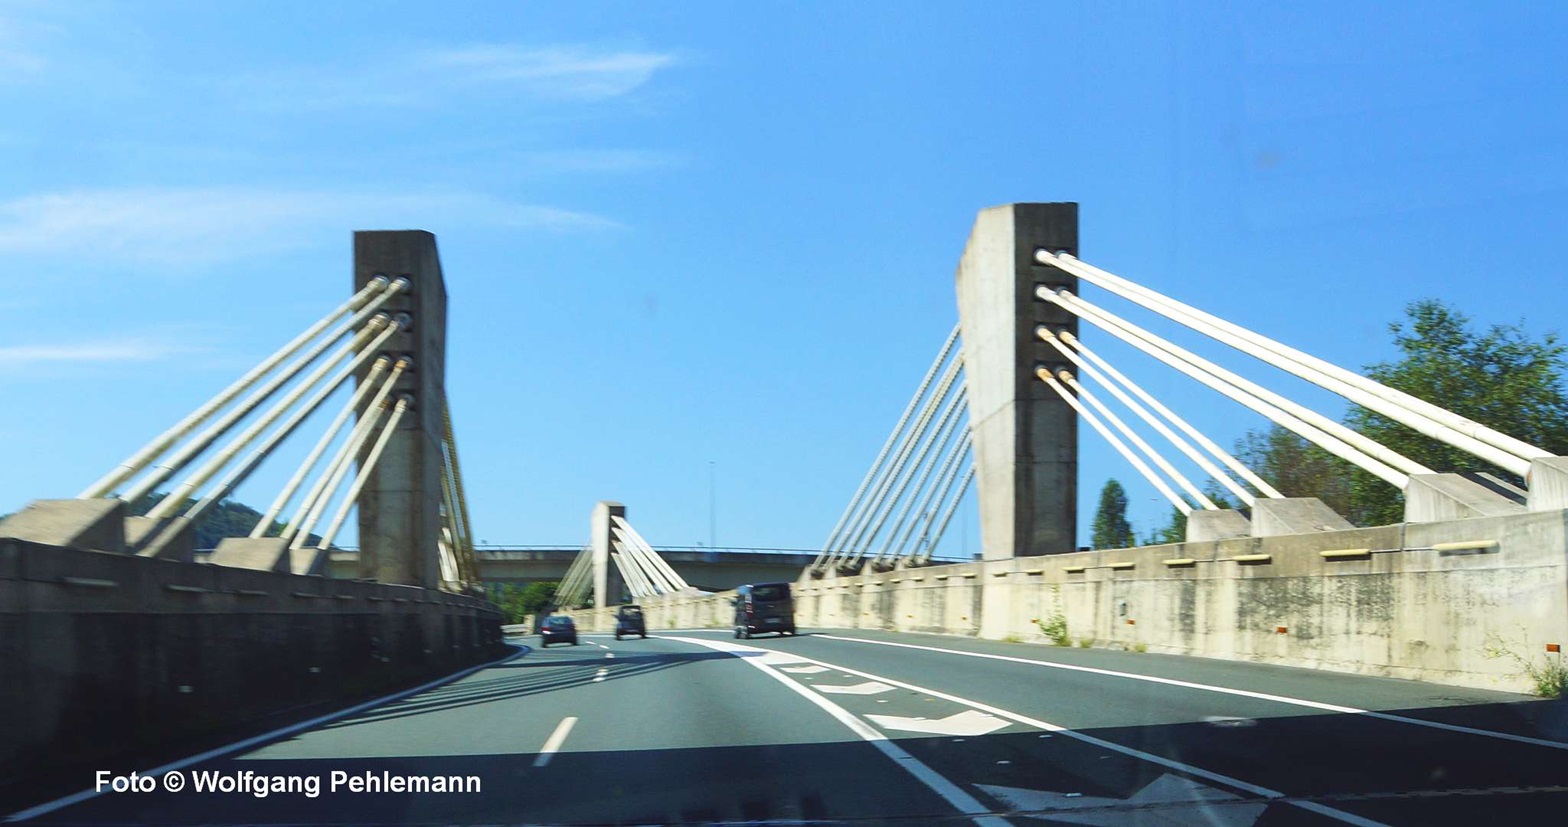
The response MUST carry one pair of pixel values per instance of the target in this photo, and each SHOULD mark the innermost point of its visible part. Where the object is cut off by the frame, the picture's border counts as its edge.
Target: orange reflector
(1279, 630)
(1131, 622)
(1552, 647)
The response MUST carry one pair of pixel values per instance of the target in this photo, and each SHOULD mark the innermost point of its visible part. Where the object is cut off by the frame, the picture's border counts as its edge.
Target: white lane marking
(1161, 760)
(1263, 696)
(553, 743)
(601, 646)
(867, 688)
(609, 654)
(599, 677)
(962, 801)
(968, 722)
(266, 737)
(804, 670)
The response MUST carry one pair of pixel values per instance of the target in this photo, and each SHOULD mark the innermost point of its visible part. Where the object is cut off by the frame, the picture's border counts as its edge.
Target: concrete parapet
(1294, 515)
(1217, 525)
(1431, 498)
(1548, 484)
(106, 656)
(97, 524)
(1427, 601)
(259, 553)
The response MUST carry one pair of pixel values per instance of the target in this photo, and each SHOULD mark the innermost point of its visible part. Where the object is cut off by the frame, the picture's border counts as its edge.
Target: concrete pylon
(607, 585)
(399, 507)
(1025, 436)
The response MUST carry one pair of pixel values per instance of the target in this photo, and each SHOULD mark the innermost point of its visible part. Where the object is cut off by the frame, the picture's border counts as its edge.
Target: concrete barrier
(1425, 601)
(104, 657)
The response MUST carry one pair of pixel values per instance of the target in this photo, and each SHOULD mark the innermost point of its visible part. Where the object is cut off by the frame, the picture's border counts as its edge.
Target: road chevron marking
(1187, 802)
(1225, 690)
(867, 688)
(938, 783)
(967, 723)
(744, 653)
(804, 670)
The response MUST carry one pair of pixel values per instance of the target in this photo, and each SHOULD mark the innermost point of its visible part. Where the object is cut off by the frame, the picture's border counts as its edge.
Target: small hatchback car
(557, 629)
(629, 621)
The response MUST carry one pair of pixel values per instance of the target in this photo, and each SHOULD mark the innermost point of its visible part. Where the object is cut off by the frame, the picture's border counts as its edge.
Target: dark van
(764, 607)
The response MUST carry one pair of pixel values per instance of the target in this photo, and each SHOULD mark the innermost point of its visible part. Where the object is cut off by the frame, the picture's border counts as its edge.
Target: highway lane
(841, 726)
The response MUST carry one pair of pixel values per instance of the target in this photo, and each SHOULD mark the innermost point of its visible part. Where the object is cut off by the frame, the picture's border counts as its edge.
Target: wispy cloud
(186, 226)
(435, 76)
(92, 351)
(567, 72)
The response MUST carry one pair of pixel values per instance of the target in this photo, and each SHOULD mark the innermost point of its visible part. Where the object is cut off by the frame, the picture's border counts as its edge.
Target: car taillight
(749, 608)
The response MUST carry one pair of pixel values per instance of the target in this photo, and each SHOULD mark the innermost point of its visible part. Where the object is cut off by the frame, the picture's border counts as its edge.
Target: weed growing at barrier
(1085, 642)
(1055, 626)
(1140, 648)
(1549, 676)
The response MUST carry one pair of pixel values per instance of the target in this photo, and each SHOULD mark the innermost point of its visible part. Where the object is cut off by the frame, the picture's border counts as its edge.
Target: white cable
(1148, 450)
(1088, 416)
(1429, 419)
(876, 465)
(1278, 409)
(315, 503)
(352, 498)
(240, 473)
(948, 515)
(149, 452)
(942, 483)
(944, 434)
(1197, 436)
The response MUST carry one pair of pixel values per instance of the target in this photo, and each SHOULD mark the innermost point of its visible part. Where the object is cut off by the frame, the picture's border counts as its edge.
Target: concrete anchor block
(1432, 498)
(170, 539)
(1217, 525)
(1548, 484)
(309, 560)
(1272, 517)
(97, 525)
(259, 553)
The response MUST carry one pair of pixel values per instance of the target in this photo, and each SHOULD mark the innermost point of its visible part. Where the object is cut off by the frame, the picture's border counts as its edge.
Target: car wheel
(617, 635)
(644, 635)
(736, 632)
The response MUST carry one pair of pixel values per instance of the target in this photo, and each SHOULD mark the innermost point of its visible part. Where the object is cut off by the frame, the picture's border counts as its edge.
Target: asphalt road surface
(856, 727)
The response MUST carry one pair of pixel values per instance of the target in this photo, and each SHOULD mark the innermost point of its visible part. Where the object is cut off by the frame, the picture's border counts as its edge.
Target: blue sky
(677, 234)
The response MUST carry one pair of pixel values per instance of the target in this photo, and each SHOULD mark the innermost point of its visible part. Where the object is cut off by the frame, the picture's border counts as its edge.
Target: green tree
(1111, 529)
(1501, 377)
(1174, 531)
(1298, 468)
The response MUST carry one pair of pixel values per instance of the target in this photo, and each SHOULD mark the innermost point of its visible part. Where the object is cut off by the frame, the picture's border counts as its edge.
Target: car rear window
(631, 613)
(771, 592)
(559, 621)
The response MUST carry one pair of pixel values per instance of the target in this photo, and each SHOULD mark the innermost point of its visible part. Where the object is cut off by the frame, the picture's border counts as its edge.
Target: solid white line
(1264, 696)
(553, 743)
(952, 793)
(84, 795)
(1237, 783)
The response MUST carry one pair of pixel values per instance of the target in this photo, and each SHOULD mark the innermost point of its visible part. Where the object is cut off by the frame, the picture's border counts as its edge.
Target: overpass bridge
(704, 568)
(1239, 676)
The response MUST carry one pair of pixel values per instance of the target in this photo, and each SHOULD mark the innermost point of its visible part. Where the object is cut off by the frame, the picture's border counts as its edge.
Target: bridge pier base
(98, 525)
(1217, 525)
(256, 553)
(1295, 515)
(1433, 498)
(1548, 484)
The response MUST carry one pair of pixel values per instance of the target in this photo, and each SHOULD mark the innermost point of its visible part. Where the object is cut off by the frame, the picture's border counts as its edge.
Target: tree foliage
(1500, 377)
(518, 602)
(1111, 529)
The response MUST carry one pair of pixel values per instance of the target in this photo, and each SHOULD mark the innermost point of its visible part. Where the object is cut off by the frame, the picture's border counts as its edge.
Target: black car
(557, 629)
(629, 621)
